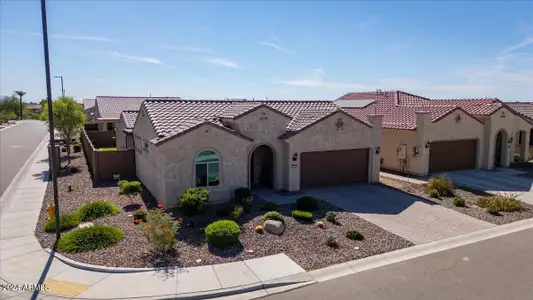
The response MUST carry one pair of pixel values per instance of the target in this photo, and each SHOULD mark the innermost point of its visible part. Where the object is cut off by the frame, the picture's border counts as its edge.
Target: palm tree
(20, 93)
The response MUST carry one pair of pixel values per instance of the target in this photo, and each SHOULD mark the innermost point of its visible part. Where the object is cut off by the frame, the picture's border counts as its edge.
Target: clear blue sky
(275, 49)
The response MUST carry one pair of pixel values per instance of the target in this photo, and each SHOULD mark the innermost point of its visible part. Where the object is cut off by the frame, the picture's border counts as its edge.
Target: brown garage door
(452, 155)
(324, 168)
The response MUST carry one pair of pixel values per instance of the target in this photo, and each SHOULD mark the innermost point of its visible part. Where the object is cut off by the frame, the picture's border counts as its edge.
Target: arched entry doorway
(500, 148)
(262, 167)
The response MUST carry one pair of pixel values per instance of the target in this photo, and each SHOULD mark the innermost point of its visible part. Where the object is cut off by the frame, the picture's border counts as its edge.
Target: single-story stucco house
(124, 130)
(422, 135)
(224, 145)
(88, 108)
(525, 109)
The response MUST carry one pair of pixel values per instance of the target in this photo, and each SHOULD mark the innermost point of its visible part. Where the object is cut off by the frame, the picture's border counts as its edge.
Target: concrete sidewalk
(23, 261)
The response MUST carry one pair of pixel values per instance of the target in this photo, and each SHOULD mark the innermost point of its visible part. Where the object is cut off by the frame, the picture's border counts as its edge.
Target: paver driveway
(410, 217)
(501, 180)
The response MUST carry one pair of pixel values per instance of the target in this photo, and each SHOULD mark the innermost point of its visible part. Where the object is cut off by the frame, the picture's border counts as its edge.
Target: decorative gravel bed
(305, 243)
(470, 197)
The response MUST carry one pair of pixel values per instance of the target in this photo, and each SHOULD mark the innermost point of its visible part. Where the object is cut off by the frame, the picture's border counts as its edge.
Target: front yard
(313, 243)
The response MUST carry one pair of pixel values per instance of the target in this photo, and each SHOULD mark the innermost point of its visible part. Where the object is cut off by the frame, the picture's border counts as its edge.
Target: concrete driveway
(499, 180)
(407, 216)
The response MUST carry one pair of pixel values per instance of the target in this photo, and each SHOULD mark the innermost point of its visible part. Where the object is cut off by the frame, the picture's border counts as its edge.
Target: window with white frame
(207, 169)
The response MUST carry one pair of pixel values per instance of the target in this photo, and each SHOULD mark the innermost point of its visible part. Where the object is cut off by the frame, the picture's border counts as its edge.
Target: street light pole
(62, 89)
(52, 153)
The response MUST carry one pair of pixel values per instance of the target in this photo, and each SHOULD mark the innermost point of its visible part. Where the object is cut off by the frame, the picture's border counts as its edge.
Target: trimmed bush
(76, 148)
(269, 206)
(307, 203)
(223, 233)
(459, 202)
(97, 209)
(302, 215)
(193, 201)
(499, 203)
(67, 221)
(354, 235)
(442, 185)
(237, 212)
(331, 216)
(140, 214)
(90, 238)
(129, 188)
(332, 242)
(273, 215)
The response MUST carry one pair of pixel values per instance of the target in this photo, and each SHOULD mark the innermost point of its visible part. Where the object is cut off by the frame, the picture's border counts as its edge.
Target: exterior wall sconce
(295, 157)
(378, 150)
(416, 151)
(510, 141)
(428, 144)
(263, 116)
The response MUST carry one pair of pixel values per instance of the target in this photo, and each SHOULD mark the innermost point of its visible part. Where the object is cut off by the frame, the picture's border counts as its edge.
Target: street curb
(16, 124)
(15, 182)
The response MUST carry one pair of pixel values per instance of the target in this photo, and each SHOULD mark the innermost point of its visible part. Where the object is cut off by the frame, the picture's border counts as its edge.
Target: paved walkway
(410, 217)
(23, 261)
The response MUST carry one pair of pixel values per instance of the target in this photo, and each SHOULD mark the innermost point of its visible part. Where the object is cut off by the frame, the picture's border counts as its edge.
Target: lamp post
(62, 89)
(53, 149)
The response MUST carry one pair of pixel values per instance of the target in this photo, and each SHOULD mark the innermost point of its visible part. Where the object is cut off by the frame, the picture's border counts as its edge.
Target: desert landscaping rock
(274, 227)
(86, 224)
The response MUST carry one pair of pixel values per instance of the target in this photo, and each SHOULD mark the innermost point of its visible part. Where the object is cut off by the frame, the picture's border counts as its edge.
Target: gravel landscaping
(470, 196)
(303, 242)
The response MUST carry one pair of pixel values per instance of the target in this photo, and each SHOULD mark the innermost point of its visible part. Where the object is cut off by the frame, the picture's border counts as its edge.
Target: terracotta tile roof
(476, 107)
(129, 117)
(88, 103)
(307, 117)
(110, 107)
(238, 108)
(523, 108)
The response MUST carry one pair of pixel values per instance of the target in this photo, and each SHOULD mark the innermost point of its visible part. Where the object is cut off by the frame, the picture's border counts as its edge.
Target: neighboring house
(107, 109)
(224, 145)
(526, 110)
(422, 136)
(124, 130)
(88, 109)
(34, 107)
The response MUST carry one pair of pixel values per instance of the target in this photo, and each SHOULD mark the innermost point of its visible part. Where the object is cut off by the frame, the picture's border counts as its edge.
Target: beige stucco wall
(390, 140)
(324, 136)
(120, 135)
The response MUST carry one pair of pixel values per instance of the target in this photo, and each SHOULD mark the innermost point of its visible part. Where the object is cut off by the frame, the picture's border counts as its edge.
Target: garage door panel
(452, 155)
(326, 168)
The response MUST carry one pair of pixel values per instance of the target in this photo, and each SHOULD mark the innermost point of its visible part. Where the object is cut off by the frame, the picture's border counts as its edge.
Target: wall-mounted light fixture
(378, 150)
(510, 141)
(295, 156)
(416, 151)
(428, 143)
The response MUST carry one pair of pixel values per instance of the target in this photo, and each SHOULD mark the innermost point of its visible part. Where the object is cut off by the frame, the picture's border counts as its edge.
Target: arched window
(207, 169)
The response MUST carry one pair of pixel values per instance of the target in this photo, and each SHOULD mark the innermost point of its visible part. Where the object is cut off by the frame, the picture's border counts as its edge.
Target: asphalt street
(17, 143)
(494, 269)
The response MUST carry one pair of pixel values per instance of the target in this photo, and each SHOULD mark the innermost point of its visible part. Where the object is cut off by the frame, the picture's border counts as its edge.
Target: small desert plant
(273, 215)
(269, 206)
(193, 201)
(499, 203)
(332, 242)
(74, 169)
(442, 185)
(76, 148)
(433, 193)
(245, 198)
(354, 235)
(160, 229)
(516, 157)
(222, 233)
(459, 202)
(130, 188)
(307, 203)
(302, 215)
(320, 224)
(66, 221)
(237, 212)
(259, 229)
(64, 149)
(90, 238)
(331, 216)
(140, 214)
(97, 209)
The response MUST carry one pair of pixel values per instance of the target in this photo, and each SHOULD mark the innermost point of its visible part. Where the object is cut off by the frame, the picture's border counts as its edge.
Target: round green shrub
(67, 221)
(273, 215)
(97, 209)
(332, 242)
(459, 202)
(354, 235)
(193, 201)
(222, 233)
(140, 214)
(129, 188)
(302, 215)
(269, 206)
(307, 203)
(90, 238)
(331, 216)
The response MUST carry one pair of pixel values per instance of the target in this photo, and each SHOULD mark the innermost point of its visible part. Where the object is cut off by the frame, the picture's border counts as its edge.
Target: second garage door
(452, 155)
(325, 168)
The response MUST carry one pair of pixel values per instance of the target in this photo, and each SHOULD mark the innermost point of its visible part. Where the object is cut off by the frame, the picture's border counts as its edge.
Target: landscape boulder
(274, 227)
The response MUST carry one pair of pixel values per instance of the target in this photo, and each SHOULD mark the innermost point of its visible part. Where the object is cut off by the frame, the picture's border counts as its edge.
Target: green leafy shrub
(332, 242)
(459, 202)
(516, 157)
(222, 233)
(269, 206)
(97, 209)
(483, 202)
(76, 148)
(442, 185)
(129, 188)
(90, 238)
(433, 193)
(302, 215)
(307, 203)
(193, 201)
(66, 221)
(237, 212)
(105, 149)
(160, 230)
(354, 235)
(331, 216)
(140, 214)
(223, 211)
(499, 203)
(273, 215)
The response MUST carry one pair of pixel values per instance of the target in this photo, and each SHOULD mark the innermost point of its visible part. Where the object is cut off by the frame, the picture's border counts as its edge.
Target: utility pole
(62, 89)
(52, 153)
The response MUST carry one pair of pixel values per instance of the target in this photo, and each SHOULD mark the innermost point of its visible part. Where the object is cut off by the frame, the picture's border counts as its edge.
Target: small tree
(160, 229)
(68, 118)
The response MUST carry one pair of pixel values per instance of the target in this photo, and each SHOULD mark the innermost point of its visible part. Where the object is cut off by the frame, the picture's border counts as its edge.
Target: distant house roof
(33, 106)
(129, 117)
(523, 108)
(88, 103)
(110, 107)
